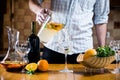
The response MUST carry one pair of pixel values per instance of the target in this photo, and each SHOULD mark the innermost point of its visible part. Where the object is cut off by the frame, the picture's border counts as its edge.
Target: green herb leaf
(105, 51)
(30, 72)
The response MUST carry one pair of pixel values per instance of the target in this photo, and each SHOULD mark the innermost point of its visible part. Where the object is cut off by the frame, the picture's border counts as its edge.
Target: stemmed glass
(66, 45)
(23, 48)
(115, 45)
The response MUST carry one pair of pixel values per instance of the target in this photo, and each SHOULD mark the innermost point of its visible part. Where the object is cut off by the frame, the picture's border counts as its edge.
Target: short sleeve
(101, 11)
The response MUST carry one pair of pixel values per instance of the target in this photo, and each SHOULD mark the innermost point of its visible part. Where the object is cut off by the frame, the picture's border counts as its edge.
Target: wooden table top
(80, 73)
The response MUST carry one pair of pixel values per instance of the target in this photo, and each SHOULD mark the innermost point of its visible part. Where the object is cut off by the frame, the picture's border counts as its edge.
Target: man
(79, 16)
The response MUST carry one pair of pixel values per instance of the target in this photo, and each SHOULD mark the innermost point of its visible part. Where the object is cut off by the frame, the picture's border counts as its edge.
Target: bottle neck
(33, 27)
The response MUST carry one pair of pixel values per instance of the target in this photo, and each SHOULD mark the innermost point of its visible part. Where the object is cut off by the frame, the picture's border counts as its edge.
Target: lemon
(89, 53)
(43, 65)
(31, 67)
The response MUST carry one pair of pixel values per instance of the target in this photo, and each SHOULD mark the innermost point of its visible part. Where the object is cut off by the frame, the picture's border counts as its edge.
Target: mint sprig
(105, 51)
(30, 72)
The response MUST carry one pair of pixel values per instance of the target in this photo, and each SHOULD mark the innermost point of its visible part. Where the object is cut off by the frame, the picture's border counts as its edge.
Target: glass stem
(25, 59)
(117, 64)
(66, 60)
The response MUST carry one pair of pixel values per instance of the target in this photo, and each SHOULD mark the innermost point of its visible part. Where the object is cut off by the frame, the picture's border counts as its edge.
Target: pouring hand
(42, 14)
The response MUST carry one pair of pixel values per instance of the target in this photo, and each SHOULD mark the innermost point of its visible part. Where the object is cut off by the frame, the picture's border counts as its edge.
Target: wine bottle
(34, 54)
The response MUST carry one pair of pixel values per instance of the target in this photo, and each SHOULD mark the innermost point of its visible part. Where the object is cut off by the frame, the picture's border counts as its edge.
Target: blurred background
(16, 13)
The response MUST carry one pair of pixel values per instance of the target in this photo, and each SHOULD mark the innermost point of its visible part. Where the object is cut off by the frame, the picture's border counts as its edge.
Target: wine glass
(66, 45)
(23, 48)
(115, 45)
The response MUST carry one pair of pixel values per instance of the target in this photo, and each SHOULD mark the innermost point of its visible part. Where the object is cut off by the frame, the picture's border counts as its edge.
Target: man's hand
(42, 14)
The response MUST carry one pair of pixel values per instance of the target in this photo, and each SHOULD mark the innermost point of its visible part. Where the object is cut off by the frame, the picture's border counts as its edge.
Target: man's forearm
(101, 30)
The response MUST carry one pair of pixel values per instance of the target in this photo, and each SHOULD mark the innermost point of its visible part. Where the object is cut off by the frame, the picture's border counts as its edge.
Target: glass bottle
(34, 54)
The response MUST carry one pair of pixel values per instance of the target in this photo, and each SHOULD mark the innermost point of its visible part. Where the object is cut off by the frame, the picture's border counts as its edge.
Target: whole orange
(43, 65)
(89, 53)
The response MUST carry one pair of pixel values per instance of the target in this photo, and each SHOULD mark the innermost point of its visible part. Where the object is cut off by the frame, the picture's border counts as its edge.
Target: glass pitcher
(13, 37)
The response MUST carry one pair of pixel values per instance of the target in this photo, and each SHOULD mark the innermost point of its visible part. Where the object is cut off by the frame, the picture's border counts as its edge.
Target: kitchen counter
(80, 73)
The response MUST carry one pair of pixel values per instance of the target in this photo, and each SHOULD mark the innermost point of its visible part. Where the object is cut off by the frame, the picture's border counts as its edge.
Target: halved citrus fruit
(31, 67)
